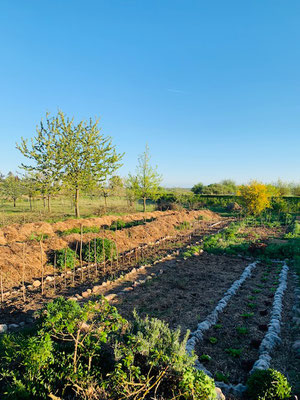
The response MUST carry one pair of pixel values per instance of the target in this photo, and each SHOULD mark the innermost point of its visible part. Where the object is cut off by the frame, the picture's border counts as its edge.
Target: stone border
(212, 318)
(271, 338)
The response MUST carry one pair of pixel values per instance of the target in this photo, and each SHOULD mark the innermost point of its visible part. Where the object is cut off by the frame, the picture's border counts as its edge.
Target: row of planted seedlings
(231, 346)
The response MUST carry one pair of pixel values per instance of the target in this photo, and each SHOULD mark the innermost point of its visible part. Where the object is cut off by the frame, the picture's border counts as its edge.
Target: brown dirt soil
(186, 292)
(11, 254)
(227, 335)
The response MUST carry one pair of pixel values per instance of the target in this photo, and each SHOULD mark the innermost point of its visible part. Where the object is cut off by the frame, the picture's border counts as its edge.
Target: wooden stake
(104, 256)
(1, 286)
(65, 269)
(23, 273)
(81, 253)
(95, 257)
(42, 265)
(54, 273)
(74, 267)
(89, 259)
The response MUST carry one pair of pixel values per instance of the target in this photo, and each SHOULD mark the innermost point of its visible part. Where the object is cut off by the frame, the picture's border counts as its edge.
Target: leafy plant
(205, 357)
(218, 326)
(183, 226)
(247, 315)
(234, 352)
(66, 258)
(213, 340)
(242, 330)
(101, 249)
(268, 385)
(252, 305)
(220, 377)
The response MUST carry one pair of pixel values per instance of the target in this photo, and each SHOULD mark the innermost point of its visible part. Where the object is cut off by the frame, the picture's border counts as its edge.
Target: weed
(213, 340)
(234, 352)
(242, 330)
(205, 357)
(247, 315)
(252, 305)
(219, 377)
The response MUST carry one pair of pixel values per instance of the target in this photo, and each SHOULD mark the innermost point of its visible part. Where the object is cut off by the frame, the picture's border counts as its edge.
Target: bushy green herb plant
(242, 330)
(213, 340)
(268, 385)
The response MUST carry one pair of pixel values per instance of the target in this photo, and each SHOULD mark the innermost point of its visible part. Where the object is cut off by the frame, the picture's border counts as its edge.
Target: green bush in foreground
(268, 385)
(91, 352)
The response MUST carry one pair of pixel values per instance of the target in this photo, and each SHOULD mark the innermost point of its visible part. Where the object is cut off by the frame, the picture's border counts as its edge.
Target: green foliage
(242, 330)
(235, 353)
(268, 385)
(105, 249)
(37, 237)
(66, 258)
(146, 183)
(75, 154)
(205, 357)
(12, 188)
(213, 340)
(247, 315)
(192, 251)
(183, 226)
(219, 377)
(218, 326)
(85, 229)
(90, 351)
(252, 305)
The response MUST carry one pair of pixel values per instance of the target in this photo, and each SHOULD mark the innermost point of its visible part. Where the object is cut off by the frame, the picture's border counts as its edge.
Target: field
(212, 276)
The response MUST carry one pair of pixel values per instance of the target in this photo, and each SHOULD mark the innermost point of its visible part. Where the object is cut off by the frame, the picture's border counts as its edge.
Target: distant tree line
(229, 187)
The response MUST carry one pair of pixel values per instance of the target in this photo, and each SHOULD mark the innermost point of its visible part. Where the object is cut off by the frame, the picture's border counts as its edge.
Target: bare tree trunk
(144, 204)
(49, 204)
(105, 202)
(14, 202)
(77, 214)
(30, 203)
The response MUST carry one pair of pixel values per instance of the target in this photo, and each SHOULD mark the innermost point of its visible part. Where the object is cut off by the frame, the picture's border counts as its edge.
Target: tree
(12, 187)
(198, 188)
(76, 155)
(256, 197)
(116, 185)
(147, 180)
(43, 153)
(85, 157)
(30, 188)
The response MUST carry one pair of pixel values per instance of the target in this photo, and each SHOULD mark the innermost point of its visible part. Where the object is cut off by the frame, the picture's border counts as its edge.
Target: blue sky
(212, 86)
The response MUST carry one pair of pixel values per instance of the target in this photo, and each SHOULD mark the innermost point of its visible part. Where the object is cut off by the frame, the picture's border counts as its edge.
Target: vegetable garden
(231, 285)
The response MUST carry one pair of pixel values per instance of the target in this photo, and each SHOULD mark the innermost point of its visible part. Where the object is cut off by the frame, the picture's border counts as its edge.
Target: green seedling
(247, 315)
(251, 297)
(219, 377)
(234, 352)
(213, 340)
(218, 326)
(205, 357)
(264, 279)
(252, 305)
(242, 330)
(273, 289)
(256, 290)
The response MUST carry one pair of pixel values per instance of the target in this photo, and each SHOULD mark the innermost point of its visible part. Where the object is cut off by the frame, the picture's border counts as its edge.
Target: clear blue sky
(212, 86)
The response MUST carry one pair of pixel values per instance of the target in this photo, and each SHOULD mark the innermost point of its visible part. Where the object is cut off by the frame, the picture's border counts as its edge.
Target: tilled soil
(186, 291)
(254, 297)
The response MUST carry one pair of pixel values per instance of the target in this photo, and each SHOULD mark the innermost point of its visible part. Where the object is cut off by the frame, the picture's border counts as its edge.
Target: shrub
(104, 248)
(91, 352)
(66, 258)
(268, 385)
(256, 197)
